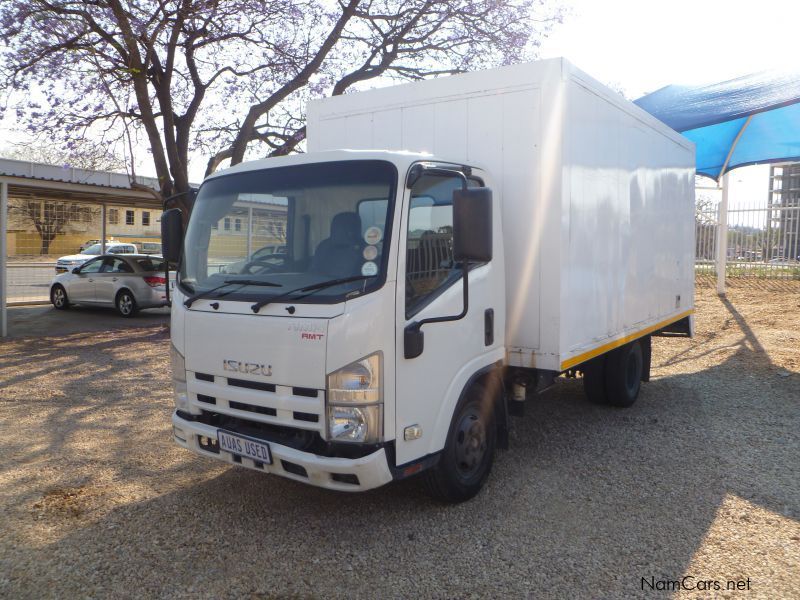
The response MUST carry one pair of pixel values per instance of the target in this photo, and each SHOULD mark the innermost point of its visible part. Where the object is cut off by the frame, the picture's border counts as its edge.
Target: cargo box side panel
(629, 258)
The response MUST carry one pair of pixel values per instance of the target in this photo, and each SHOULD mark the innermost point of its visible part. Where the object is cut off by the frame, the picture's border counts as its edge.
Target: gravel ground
(699, 478)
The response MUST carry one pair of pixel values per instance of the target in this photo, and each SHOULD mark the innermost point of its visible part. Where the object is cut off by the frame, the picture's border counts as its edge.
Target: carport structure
(27, 180)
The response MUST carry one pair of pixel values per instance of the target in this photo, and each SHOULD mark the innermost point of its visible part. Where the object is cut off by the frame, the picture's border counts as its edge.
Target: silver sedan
(128, 283)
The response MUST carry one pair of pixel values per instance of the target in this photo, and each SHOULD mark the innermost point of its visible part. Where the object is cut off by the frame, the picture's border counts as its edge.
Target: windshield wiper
(309, 288)
(188, 302)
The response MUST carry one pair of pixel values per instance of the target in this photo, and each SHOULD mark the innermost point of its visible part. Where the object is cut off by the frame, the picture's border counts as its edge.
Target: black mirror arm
(458, 317)
(414, 339)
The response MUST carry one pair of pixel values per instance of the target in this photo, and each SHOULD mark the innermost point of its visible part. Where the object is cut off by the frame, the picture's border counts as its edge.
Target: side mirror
(472, 225)
(171, 234)
(76, 271)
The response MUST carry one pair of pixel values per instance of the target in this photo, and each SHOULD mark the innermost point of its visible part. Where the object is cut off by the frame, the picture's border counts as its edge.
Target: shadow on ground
(44, 320)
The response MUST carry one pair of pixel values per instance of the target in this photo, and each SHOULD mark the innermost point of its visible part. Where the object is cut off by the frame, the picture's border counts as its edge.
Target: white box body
(597, 196)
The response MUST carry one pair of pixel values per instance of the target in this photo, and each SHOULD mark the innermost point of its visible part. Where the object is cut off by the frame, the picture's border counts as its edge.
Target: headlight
(179, 378)
(355, 401)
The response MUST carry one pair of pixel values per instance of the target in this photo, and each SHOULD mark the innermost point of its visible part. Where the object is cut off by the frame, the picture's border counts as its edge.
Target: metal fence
(763, 234)
(40, 231)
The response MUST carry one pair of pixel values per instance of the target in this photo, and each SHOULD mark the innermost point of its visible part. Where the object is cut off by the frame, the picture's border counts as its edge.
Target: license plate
(244, 446)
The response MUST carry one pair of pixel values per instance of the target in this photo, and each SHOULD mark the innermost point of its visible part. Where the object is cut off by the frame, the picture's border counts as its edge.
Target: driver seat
(340, 254)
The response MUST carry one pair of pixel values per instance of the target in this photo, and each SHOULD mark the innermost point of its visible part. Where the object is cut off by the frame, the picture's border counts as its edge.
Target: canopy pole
(3, 259)
(722, 230)
(722, 237)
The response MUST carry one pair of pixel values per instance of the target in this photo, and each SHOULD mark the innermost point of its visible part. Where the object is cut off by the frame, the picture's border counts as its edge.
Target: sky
(639, 46)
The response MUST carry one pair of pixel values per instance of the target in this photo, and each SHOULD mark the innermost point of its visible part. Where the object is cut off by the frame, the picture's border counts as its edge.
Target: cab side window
(93, 266)
(116, 265)
(430, 267)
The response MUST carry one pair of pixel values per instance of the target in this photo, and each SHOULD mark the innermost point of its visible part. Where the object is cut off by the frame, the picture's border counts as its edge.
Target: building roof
(35, 180)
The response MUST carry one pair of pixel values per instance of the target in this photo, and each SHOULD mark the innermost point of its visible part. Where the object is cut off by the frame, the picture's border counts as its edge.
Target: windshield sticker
(373, 235)
(370, 253)
(368, 269)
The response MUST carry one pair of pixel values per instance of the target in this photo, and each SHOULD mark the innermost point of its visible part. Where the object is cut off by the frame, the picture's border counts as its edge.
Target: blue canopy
(748, 120)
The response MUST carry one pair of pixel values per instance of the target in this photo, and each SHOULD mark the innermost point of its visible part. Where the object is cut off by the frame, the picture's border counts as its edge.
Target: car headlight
(179, 378)
(355, 401)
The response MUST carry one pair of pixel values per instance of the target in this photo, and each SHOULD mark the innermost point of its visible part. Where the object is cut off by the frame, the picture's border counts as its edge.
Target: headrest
(346, 228)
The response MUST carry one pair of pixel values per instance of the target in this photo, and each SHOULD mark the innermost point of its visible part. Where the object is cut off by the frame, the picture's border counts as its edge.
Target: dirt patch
(697, 479)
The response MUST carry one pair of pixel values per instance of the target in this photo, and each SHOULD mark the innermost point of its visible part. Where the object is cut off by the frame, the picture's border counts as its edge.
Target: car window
(149, 265)
(116, 265)
(93, 266)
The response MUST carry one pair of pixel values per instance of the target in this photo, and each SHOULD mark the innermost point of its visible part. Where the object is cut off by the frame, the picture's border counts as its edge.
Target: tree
(50, 217)
(231, 77)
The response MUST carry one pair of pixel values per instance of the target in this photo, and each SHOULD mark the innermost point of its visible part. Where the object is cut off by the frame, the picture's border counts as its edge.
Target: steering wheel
(248, 267)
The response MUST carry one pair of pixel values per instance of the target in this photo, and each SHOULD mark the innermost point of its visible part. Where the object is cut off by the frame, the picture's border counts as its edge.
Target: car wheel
(58, 296)
(126, 304)
(466, 461)
(624, 368)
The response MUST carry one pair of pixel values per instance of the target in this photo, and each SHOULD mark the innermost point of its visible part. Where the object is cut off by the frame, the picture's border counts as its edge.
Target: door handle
(90, 279)
(113, 279)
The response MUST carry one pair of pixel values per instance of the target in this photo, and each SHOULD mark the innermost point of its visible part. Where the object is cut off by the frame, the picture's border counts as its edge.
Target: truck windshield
(292, 226)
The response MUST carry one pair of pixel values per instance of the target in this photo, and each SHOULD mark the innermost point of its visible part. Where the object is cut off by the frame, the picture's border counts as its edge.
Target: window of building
(237, 225)
(226, 224)
(146, 218)
(113, 216)
(129, 218)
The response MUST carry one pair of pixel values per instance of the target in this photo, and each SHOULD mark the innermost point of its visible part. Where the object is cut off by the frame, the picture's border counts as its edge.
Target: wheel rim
(58, 297)
(471, 444)
(125, 304)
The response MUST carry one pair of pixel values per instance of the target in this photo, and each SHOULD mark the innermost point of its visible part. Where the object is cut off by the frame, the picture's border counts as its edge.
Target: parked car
(88, 243)
(150, 248)
(127, 282)
(780, 261)
(67, 263)
(272, 254)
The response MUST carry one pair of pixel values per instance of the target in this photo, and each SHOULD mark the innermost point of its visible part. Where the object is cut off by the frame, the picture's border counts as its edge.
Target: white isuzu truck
(346, 318)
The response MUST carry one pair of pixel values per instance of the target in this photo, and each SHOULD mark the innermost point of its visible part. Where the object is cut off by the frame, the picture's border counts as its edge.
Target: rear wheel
(126, 304)
(623, 374)
(594, 380)
(58, 296)
(466, 461)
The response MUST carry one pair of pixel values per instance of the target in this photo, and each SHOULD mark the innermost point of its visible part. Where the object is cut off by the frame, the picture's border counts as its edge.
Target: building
(783, 224)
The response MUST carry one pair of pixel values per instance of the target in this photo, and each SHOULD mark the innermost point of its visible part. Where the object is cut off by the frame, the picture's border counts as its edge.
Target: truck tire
(466, 461)
(623, 374)
(594, 380)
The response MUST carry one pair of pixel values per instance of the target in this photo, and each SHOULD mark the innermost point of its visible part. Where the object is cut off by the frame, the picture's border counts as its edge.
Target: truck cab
(371, 348)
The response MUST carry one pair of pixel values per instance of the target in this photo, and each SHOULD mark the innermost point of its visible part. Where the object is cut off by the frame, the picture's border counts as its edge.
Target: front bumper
(369, 471)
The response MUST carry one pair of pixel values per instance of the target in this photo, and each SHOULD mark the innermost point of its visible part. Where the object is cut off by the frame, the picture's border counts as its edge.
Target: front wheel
(466, 461)
(126, 304)
(58, 296)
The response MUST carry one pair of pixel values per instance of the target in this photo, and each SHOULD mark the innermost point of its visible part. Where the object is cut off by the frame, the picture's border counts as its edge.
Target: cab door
(429, 284)
(82, 286)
